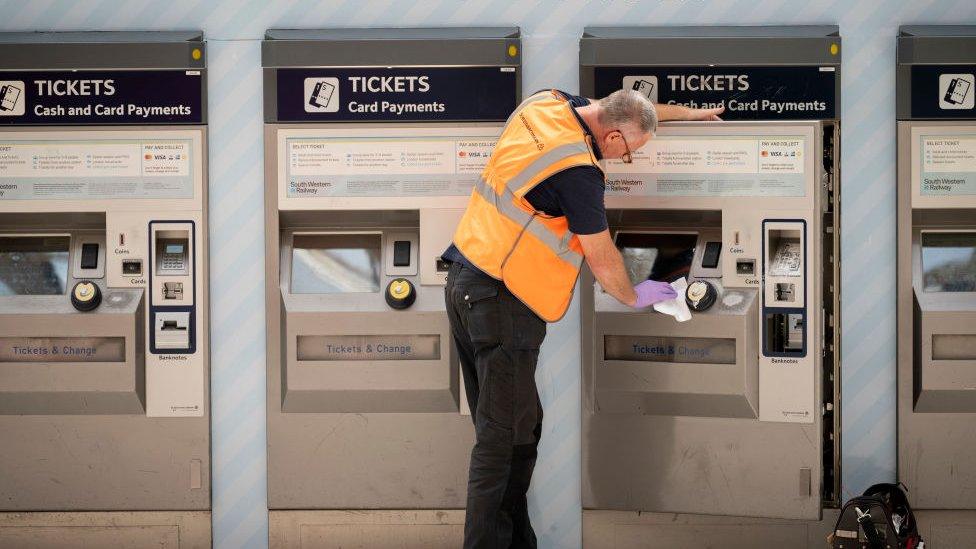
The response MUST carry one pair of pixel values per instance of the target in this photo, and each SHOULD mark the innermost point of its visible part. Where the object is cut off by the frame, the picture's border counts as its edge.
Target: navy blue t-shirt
(576, 193)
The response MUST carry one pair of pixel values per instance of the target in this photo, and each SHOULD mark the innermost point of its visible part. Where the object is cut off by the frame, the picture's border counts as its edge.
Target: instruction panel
(82, 169)
(385, 166)
(948, 165)
(712, 166)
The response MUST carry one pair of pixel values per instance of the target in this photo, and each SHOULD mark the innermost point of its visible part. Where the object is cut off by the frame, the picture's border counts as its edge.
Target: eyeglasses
(625, 158)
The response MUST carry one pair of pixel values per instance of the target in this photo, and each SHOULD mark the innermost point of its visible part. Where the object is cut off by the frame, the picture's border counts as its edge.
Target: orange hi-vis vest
(535, 255)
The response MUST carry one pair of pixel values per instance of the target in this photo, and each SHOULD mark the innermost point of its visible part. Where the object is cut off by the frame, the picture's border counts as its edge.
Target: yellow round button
(400, 293)
(85, 296)
(84, 291)
(399, 289)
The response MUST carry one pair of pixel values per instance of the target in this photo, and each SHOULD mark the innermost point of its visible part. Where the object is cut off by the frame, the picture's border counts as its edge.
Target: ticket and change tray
(56, 361)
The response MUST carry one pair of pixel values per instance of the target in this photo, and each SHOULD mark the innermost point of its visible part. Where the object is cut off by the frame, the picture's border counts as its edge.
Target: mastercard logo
(148, 157)
(462, 154)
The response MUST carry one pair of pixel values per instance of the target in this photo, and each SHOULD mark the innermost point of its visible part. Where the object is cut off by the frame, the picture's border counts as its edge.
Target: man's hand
(682, 113)
(650, 292)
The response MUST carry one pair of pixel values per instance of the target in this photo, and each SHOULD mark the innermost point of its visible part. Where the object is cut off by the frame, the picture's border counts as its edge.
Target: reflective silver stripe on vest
(505, 206)
(531, 99)
(540, 164)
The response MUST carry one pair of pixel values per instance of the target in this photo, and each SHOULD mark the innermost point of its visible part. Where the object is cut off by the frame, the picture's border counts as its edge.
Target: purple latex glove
(650, 292)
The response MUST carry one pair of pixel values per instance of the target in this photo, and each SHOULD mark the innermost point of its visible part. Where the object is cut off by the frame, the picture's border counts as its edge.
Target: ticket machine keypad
(172, 257)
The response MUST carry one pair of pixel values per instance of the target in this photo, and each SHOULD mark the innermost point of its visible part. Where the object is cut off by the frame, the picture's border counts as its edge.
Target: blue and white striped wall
(551, 30)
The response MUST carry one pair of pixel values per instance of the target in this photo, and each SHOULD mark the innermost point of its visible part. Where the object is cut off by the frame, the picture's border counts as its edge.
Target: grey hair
(628, 107)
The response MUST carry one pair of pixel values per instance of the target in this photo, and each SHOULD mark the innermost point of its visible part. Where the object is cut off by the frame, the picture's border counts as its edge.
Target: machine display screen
(949, 262)
(656, 256)
(33, 265)
(335, 263)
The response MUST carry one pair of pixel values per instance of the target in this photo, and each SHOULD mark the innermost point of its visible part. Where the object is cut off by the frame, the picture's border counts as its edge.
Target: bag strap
(866, 523)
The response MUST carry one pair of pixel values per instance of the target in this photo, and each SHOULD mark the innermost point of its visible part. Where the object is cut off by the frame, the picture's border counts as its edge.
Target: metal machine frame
(936, 395)
(706, 478)
(112, 451)
(391, 451)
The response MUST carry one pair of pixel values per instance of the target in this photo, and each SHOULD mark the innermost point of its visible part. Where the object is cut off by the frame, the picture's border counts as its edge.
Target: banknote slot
(172, 330)
(784, 334)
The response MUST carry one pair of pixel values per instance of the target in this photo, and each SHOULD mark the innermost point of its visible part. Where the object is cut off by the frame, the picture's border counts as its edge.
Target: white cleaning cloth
(677, 307)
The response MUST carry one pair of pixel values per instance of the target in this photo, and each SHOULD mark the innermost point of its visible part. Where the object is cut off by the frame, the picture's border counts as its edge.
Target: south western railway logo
(538, 144)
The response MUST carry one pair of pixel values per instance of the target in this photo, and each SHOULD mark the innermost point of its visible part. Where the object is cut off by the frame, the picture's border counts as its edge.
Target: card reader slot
(745, 266)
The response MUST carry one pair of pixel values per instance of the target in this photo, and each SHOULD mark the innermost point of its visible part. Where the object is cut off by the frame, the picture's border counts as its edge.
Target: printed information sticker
(385, 166)
(948, 165)
(62, 349)
(712, 166)
(110, 169)
(680, 350)
(369, 347)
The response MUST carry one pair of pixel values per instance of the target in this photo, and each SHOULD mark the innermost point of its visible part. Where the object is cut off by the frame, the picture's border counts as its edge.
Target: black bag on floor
(881, 518)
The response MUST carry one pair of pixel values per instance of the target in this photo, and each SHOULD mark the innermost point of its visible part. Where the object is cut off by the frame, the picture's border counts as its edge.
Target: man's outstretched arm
(679, 112)
(607, 266)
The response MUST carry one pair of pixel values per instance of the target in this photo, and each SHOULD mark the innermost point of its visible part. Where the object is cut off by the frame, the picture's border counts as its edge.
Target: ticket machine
(937, 272)
(374, 139)
(103, 289)
(732, 412)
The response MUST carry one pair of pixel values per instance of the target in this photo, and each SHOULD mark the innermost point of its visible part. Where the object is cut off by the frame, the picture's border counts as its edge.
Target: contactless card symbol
(645, 85)
(321, 95)
(956, 91)
(11, 98)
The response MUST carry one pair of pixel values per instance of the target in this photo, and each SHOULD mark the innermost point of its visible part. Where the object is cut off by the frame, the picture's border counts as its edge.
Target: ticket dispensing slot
(344, 286)
(649, 364)
(55, 359)
(944, 312)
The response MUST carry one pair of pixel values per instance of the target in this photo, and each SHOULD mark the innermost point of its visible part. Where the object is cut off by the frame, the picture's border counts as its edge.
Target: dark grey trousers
(497, 339)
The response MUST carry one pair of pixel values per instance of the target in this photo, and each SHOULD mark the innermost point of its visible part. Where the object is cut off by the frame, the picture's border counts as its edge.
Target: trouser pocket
(480, 305)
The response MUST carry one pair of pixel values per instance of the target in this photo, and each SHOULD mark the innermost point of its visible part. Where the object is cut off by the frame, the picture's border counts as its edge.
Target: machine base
(410, 529)
(625, 529)
(118, 529)
(622, 530)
